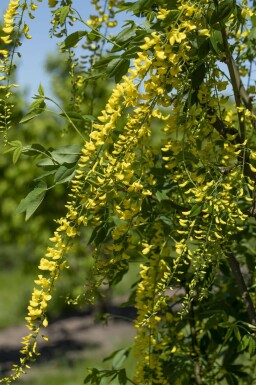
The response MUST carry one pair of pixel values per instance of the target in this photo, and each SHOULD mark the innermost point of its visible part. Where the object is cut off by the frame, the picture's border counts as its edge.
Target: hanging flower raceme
(6, 66)
(14, 27)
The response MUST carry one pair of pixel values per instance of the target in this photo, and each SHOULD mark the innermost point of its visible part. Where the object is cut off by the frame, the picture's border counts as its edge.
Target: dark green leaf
(99, 234)
(223, 11)
(91, 118)
(231, 379)
(140, 5)
(131, 52)
(63, 13)
(171, 17)
(72, 115)
(34, 149)
(64, 174)
(122, 71)
(198, 76)
(73, 39)
(45, 174)
(196, 210)
(122, 378)
(88, 378)
(47, 163)
(244, 342)
(117, 68)
(228, 334)
(252, 345)
(66, 154)
(217, 42)
(104, 61)
(33, 200)
(93, 376)
(93, 36)
(125, 34)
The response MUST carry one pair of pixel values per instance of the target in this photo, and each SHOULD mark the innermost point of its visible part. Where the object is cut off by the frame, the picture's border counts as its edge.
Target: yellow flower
(45, 264)
(204, 32)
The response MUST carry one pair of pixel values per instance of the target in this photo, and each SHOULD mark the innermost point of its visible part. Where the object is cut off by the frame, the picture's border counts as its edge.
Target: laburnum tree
(164, 176)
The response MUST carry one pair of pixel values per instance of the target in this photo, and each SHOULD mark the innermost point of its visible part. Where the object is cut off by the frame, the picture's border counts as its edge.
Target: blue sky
(34, 51)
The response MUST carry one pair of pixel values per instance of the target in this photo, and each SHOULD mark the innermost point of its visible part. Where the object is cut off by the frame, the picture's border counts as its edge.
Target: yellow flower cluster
(5, 66)
(13, 19)
(51, 266)
(151, 303)
(9, 22)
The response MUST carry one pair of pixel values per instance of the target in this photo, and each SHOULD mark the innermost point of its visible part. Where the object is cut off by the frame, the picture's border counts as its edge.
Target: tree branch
(197, 366)
(245, 295)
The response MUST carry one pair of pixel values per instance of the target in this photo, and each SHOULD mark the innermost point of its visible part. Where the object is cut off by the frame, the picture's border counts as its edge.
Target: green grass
(62, 371)
(15, 289)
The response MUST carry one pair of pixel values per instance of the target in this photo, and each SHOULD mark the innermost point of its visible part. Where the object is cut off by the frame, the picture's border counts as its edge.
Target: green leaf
(120, 357)
(104, 61)
(170, 18)
(252, 34)
(198, 76)
(72, 115)
(244, 342)
(223, 11)
(93, 376)
(64, 174)
(196, 210)
(123, 70)
(217, 42)
(63, 13)
(40, 90)
(122, 378)
(125, 34)
(88, 378)
(66, 154)
(252, 345)
(93, 36)
(16, 154)
(140, 5)
(28, 117)
(33, 200)
(34, 149)
(47, 163)
(99, 234)
(237, 333)
(73, 39)
(162, 195)
(117, 68)
(38, 104)
(228, 333)
(47, 173)
(91, 118)
(14, 145)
